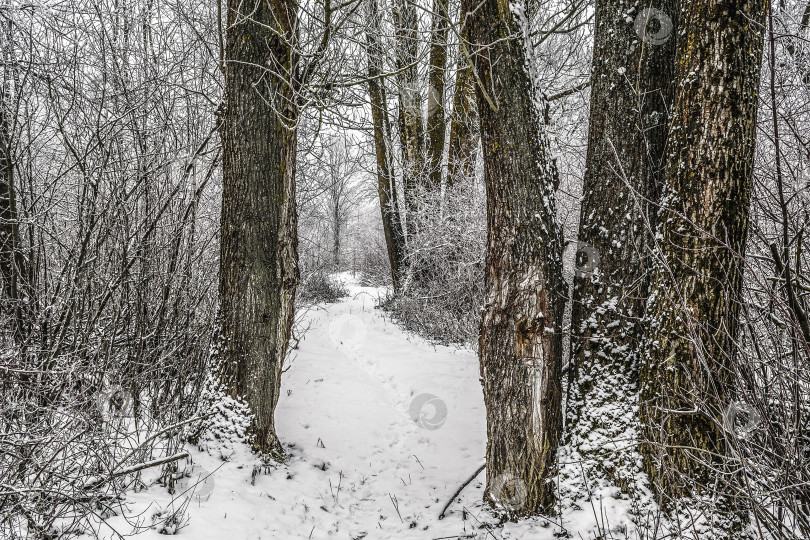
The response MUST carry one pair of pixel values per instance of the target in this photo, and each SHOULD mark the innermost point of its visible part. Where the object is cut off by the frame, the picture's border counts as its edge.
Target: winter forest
(405, 269)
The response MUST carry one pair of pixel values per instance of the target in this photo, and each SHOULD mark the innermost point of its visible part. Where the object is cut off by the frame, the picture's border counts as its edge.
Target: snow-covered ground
(381, 428)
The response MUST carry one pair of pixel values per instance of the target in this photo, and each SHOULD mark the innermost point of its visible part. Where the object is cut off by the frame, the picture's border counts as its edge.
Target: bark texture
(521, 341)
(436, 125)
(464, 120)
(411, 130)
(386, 187)
(12, 260)
(258, 251)
(631, 95)
(693, 311)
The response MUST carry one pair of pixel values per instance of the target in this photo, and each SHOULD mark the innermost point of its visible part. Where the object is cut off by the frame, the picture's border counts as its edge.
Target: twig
(395, 502)
(135, 468)
(162, 431)
(459, 490)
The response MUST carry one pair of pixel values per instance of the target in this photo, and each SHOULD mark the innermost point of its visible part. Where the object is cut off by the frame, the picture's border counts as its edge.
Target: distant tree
(386, 181)
(338, 179)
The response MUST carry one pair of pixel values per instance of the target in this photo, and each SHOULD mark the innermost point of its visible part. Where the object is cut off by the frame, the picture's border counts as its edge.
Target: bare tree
(410, 120)
(631, 95)
(463, 125)
(12, 260)
(279, 59)
(520, 346)
(688, 372)
(437, 63)
(108, 149)
(386, 182)
(341, 164)
(258, 263)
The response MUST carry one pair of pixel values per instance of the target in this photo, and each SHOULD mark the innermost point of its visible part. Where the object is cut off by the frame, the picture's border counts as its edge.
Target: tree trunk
(464, 120)
(410, 102)
(520, 344)
(631, 94)
(12, 260)
(336, 237)
(258, 252)
(436, 125)
(386, 188)
(692, 316)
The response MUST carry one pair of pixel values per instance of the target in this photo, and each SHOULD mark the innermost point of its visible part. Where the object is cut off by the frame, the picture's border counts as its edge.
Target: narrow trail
(381, 427)
(365, 460)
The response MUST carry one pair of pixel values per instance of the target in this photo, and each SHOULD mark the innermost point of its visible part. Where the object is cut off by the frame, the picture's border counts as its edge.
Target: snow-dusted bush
(104, 335)
(443, 284)
(319, 287)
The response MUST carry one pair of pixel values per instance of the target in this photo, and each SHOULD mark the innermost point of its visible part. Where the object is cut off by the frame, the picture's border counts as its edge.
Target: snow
(381, 428)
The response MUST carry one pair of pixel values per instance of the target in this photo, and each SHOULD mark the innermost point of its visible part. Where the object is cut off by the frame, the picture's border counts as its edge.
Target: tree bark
(411, 130)
(631, 94)
(692, 316)
(12, 260)
(464, 120)
(336, 218)
(520, 344)
(436, 125)
(386, 187)
(258, 252)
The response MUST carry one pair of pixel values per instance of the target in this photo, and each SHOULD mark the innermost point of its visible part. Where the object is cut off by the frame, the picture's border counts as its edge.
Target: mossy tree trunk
(437, 63)
(688, 375)
(464, 120)
(411, 129)
(631, 95)
(521, 341)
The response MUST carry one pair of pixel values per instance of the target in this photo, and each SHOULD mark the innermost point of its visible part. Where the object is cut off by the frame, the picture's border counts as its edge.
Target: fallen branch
(461, 488)
(162, 431)
(135, 468)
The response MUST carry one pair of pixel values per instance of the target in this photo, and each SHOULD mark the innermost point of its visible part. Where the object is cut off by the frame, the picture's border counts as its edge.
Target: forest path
(366, 459)
(381, 427)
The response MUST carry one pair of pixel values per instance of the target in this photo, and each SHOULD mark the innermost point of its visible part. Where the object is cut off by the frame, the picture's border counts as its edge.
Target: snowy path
(360, 466)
